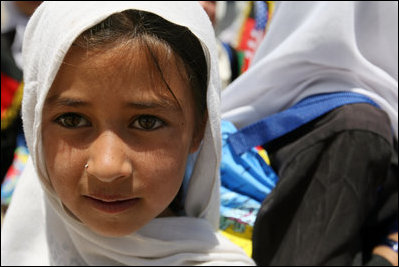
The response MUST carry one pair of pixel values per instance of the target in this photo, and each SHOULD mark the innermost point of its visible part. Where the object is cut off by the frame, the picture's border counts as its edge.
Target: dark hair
(151, 31)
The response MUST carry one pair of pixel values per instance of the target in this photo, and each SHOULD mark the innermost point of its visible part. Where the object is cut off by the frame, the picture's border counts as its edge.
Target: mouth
(112, 204)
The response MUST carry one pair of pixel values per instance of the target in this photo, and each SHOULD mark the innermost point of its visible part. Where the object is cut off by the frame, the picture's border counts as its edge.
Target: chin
(114, 231)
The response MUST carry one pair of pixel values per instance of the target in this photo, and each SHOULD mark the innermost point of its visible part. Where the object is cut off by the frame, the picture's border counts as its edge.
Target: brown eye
(72, 120)
(147, 122)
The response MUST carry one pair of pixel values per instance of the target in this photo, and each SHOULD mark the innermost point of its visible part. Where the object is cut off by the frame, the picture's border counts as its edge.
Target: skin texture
(111, 109)
(210, 9)
(27, 7)
(387, 252)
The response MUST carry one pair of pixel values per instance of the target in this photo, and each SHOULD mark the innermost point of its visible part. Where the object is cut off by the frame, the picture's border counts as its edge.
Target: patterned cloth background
(246, 180)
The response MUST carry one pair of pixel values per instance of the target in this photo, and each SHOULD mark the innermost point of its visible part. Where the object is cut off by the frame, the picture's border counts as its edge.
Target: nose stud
(86, 166)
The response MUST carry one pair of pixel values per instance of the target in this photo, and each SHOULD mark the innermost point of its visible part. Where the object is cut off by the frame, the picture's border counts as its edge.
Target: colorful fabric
(238, 214)
(12, 148)
(11, 97)
(14, 172)
(11, 85)
(255, 22)
(248, 173)
(246, 180)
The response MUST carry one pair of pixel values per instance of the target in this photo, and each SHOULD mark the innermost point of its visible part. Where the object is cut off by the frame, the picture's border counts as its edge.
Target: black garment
(338, 190)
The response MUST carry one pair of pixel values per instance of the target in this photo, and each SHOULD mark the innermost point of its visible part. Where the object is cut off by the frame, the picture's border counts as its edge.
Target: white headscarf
(38, 231)
(320, 47)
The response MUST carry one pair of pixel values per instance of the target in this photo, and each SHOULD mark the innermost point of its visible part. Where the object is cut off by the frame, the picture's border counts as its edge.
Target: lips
(111, 204)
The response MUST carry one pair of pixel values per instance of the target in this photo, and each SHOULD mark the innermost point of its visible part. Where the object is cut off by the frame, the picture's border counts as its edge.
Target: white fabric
(38, 231)
(320, 47)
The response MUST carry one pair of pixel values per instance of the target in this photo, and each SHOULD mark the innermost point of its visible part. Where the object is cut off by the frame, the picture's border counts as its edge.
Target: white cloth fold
(37, 230)
(320, 47)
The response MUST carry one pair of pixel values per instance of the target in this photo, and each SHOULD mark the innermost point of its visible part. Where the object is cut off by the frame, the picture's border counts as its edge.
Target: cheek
(161, 173)
(65, 166)
(164, 165)
(166, 156)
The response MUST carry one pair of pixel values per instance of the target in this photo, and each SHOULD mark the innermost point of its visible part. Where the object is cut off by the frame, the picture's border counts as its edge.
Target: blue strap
(276, 125)
(229, 51)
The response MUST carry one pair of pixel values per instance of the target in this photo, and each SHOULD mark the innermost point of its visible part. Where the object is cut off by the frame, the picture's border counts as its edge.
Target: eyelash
(64, 120)
(152, 122)
(155, 122)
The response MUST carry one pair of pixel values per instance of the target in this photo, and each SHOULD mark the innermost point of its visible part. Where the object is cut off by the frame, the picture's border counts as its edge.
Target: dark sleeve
(332, 174)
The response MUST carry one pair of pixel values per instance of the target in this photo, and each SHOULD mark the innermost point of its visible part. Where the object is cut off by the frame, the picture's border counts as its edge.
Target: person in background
(238, 42)
(336, 201)
(246, 179)
(226, 56)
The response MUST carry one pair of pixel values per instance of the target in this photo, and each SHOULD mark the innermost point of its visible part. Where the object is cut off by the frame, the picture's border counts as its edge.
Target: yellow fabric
(264, 156)
(12, 112)
(242, 239)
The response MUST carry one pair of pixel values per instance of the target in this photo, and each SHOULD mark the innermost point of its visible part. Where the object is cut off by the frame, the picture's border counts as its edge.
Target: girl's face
(112, 111)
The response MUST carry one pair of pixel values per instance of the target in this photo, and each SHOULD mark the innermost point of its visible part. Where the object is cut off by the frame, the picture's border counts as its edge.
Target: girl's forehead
(118, 57)
(121, 71)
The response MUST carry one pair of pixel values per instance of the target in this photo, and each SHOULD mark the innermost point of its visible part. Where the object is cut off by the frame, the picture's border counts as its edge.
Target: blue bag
(247, 174)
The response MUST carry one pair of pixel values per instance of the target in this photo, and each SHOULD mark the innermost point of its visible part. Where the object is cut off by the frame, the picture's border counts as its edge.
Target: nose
(108, 160)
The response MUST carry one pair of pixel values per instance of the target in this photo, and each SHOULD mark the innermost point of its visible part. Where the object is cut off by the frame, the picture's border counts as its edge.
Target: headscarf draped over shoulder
(315, 47)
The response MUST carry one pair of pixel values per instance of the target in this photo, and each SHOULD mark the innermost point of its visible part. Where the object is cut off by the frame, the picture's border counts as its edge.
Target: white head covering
(38, 231)
(320, 47)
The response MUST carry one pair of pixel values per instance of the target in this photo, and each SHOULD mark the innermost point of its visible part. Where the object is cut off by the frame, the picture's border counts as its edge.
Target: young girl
(118, 96)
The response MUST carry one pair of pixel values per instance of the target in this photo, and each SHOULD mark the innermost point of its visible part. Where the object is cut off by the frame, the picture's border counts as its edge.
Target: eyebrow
(56, 100)
(163, 104)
